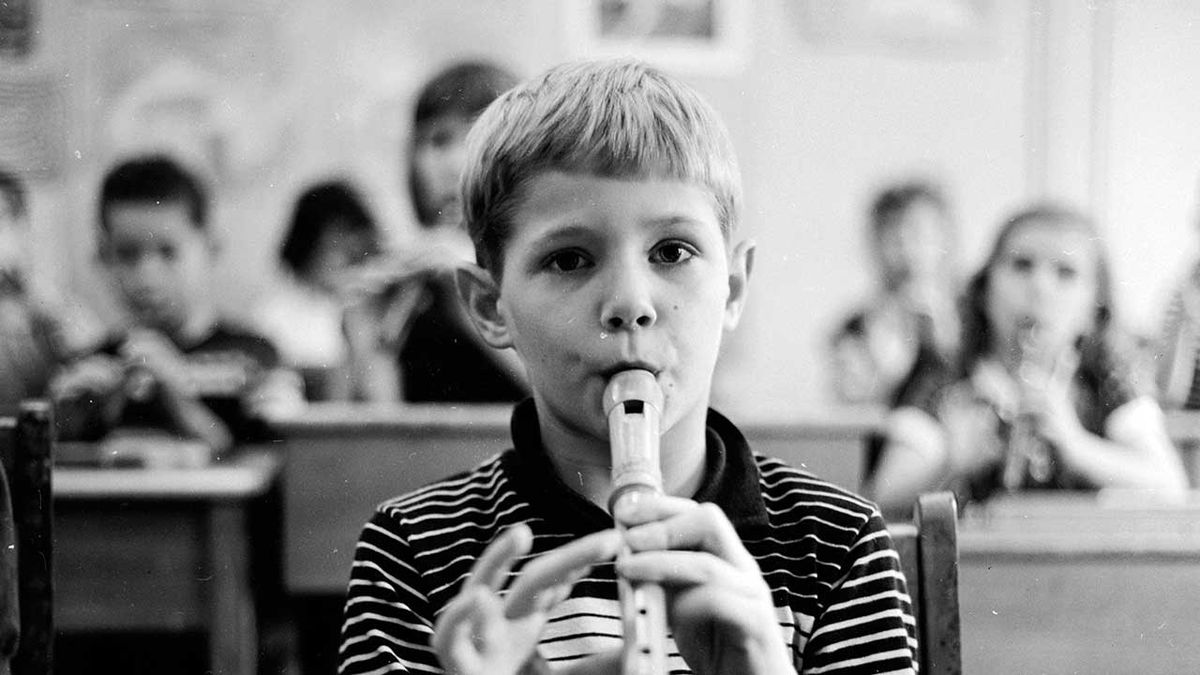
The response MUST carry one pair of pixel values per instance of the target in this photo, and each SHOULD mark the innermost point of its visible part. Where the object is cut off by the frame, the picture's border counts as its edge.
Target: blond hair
(613, 119)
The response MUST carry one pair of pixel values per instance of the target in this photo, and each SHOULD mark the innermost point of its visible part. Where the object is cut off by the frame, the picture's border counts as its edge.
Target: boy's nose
(1042, 283)
(629, 304)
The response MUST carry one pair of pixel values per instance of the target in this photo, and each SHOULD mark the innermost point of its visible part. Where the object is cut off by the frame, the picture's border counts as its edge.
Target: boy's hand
(96, 375)
(154, 352)
(481, 632)
(719, 606)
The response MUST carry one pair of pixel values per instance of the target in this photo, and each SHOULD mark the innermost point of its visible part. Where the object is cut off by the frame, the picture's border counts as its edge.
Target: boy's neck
(584, 462)
(194, 329)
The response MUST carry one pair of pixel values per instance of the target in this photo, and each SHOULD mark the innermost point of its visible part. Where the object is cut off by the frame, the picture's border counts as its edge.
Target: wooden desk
(1069, 583)
(341, 461)
(155, 550)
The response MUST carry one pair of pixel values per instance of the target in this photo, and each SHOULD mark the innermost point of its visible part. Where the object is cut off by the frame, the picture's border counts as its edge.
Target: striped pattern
(839, 594)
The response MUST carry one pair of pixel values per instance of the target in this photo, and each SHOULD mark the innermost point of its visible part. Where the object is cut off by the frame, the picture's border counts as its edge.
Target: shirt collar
(731, 480)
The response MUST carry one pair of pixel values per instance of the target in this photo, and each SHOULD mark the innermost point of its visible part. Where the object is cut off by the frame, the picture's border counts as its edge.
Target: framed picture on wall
(697, 36)
(941, 28)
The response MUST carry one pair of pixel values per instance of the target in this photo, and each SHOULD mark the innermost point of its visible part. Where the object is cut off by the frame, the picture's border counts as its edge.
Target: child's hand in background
(96, 375)
(1046, 399)
(483, 633)
(719, 606)
(154, 353)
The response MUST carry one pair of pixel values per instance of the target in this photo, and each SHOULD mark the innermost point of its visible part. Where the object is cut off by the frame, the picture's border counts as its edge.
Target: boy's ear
(480, 295)
(741, 262)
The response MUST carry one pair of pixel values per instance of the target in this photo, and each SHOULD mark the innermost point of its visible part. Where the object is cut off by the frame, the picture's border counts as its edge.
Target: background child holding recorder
(177, 370)
(1045, 396)
(602, 199)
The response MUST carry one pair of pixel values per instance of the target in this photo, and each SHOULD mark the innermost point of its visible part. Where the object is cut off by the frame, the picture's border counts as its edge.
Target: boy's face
(602, 275)
(913, 247)
(160, 260)
(438, 157)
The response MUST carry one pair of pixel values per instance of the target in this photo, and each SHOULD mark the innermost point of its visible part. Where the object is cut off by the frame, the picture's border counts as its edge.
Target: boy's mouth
(609, 373)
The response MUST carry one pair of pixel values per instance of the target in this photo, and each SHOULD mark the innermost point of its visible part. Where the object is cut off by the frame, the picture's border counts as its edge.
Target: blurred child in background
(913, 319)
(178, 371)
(438, 356)
(1044, 396)
(37, 334)
(330, 237)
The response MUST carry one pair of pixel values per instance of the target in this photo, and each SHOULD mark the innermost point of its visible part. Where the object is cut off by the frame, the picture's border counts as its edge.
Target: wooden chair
(25, 448)
(928, 548)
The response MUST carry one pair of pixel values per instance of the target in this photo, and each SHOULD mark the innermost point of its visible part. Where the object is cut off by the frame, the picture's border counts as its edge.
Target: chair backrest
(26, 443)
(928, 548)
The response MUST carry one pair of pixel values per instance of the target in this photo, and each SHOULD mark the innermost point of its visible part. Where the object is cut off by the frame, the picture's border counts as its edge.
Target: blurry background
(1002, 102)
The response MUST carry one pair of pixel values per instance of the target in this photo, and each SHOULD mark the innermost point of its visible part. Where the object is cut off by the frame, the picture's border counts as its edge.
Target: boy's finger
(677, 568)
(459, 625)
(704, 527)
(649, 508)
(497, 560)
(548, 579)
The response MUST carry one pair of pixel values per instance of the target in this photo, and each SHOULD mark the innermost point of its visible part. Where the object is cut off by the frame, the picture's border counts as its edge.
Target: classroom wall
(1003, 101)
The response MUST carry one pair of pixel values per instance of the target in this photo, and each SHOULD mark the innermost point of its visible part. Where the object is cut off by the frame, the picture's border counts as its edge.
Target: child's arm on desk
(166, 365)
(87, 397)
(1135, 452)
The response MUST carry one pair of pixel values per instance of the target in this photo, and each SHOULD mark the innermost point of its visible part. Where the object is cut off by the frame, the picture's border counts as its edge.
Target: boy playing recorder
(602, 198)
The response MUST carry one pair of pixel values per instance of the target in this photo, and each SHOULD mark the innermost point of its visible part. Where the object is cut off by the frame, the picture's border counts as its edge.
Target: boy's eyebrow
(568, 230)
(674, 220)
(573, 230)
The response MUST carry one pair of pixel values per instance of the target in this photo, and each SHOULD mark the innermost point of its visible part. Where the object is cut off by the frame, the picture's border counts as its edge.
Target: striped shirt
(840, 598)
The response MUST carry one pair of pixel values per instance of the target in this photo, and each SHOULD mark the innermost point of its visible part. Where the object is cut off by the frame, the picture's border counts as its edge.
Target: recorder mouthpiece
(633, 404)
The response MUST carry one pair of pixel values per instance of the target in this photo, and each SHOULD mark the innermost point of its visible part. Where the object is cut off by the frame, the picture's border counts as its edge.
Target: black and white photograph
(599, 337)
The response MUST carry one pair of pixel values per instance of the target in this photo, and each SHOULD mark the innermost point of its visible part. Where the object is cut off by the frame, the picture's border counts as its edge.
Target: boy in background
(178, 371)
(912, 323)
(602, 199)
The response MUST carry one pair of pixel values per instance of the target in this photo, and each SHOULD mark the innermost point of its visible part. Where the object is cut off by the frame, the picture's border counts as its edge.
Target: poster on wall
(688, 36)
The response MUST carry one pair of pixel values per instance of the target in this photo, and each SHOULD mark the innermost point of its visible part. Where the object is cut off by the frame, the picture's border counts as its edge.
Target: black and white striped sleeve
(866, 624)
(388, 621)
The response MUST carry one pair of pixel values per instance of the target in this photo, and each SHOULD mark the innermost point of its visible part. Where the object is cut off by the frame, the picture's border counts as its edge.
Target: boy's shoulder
(786, 488)
(473, 491)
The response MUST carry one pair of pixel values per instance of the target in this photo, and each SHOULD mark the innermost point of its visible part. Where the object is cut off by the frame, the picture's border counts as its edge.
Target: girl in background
(1043, 397)
(330, 237)
(437, 357)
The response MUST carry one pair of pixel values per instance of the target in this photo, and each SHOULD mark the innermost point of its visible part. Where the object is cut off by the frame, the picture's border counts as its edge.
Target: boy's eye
(168, 253)
(566, 261)
(672, 253)
(1021, 263)
(1067, 272)
(127, 255)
